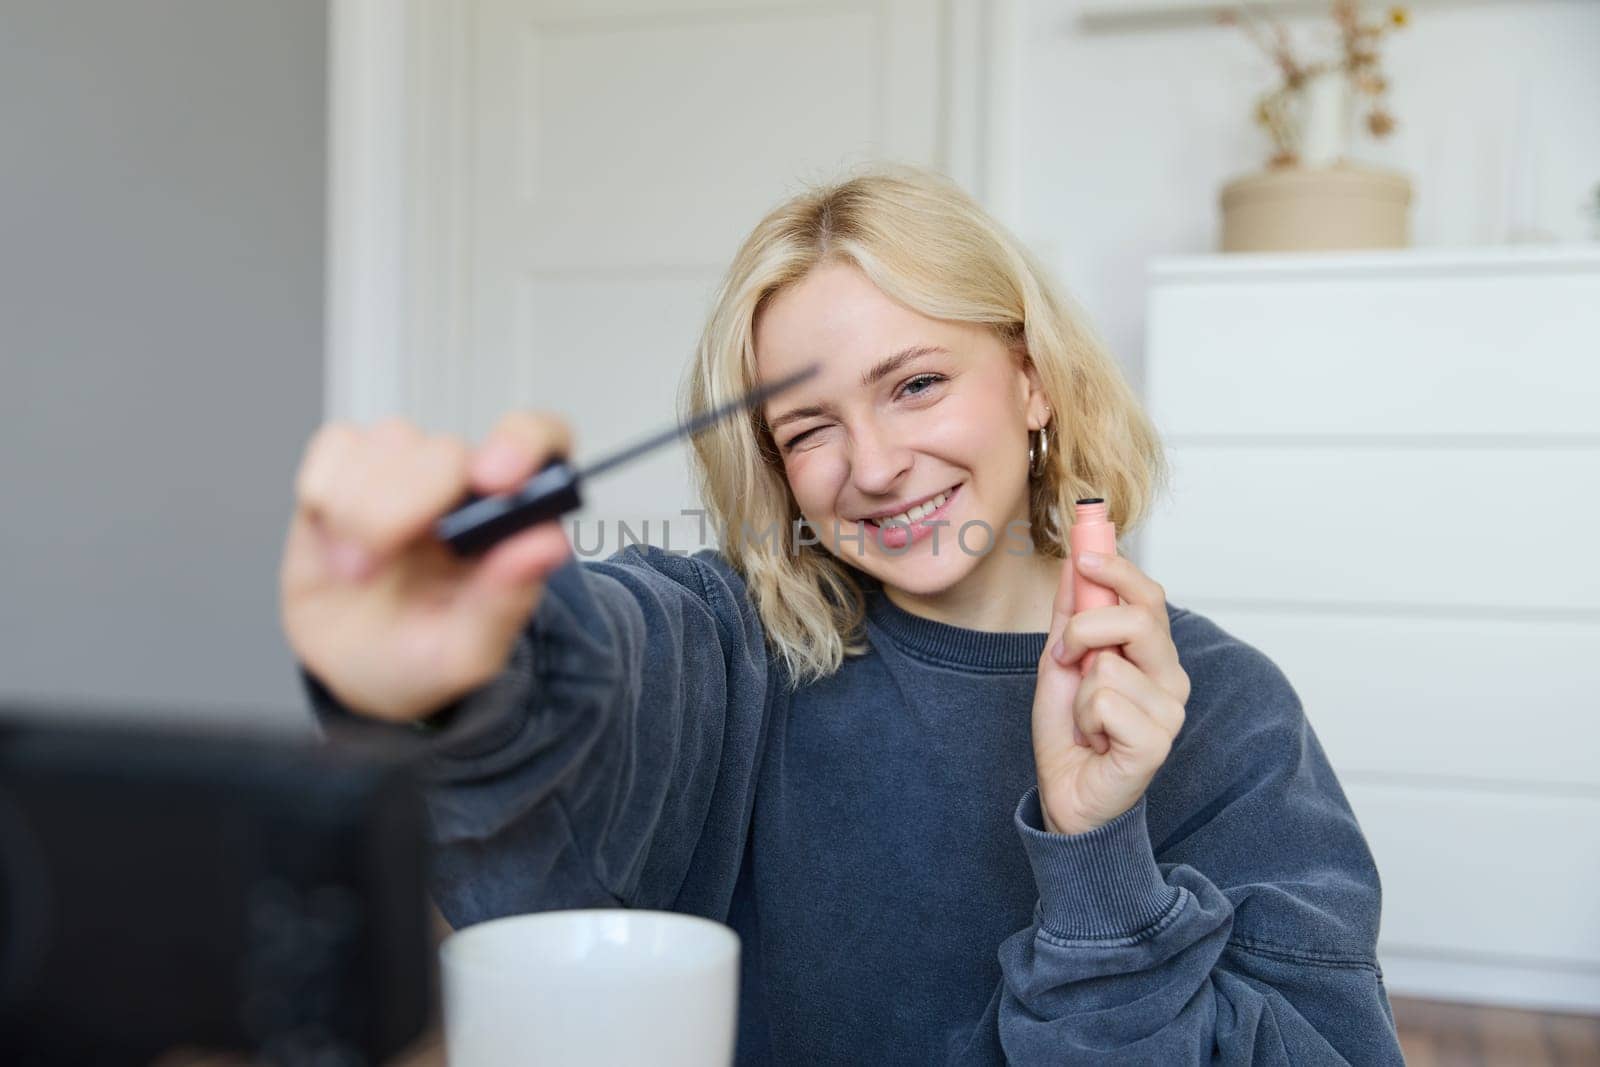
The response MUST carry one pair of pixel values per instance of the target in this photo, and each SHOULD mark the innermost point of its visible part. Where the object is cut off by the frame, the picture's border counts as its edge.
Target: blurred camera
(167, 888)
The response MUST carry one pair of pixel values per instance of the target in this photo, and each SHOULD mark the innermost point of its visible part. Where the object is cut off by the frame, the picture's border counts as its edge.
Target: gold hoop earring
(1037, 454)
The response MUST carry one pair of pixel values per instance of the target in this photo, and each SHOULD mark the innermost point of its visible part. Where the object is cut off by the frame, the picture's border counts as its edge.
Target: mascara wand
(481, 522)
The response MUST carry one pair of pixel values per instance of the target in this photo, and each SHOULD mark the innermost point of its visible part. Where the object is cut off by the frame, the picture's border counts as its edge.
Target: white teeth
(921, 511)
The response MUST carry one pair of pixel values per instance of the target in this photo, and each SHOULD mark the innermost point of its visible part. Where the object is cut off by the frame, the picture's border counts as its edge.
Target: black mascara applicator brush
(481, 522)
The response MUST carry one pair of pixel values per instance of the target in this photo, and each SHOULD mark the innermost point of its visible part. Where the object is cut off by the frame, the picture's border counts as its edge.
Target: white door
(578, 175)
(625, 149)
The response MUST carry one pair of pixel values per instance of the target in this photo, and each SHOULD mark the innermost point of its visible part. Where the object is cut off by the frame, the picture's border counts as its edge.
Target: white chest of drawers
(1412, 441)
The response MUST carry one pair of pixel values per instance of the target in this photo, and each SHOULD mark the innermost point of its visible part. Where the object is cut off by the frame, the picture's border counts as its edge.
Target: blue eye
(928, 379)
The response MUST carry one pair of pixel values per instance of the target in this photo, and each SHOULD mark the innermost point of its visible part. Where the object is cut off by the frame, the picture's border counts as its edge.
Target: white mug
(610, 986)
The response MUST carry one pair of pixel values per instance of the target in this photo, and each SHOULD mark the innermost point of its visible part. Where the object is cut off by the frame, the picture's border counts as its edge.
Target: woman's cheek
(801, 483)
(958, 425)
(815, 479)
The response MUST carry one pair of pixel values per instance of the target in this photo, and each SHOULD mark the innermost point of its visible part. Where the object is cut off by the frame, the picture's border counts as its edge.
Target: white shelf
(1145, 14)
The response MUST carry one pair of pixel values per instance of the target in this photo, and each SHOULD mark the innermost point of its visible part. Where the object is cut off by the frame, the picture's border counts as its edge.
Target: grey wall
(161, 239)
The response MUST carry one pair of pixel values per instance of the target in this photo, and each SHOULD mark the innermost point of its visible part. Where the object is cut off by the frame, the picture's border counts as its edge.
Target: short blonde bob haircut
(925, 243)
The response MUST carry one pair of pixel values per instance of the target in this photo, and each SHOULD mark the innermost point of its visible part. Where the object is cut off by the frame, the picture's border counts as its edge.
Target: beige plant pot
(1298, 209)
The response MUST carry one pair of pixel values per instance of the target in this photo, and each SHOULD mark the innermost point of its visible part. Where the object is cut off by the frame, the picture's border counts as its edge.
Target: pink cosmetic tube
(1091, 531)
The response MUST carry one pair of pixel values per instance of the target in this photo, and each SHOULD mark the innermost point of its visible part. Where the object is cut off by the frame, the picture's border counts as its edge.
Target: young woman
(868, 744)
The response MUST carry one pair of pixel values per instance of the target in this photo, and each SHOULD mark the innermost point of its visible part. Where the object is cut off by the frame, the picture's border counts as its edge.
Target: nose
(877, 460)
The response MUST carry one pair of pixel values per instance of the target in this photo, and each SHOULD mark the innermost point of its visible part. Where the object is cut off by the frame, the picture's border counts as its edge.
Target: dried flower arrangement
(1278, 110)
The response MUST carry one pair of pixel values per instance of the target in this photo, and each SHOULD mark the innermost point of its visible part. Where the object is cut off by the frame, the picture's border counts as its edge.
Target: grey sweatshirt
(875, 838)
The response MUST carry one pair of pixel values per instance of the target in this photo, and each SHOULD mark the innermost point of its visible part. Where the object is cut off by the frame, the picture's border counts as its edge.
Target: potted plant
(1311, 195)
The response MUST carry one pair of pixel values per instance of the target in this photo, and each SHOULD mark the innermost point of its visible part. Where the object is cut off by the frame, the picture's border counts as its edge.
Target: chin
(924, 574)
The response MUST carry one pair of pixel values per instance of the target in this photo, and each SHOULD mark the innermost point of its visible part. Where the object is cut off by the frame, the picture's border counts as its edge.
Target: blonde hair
(925, 243)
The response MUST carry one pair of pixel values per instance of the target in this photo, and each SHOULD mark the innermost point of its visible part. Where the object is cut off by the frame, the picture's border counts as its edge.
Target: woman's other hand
(1100, 737)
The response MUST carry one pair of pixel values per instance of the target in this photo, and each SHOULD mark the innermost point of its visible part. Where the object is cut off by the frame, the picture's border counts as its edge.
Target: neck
(1003, 594)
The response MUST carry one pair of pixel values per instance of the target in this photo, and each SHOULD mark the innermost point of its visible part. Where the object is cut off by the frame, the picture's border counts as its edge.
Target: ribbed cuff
(1101, 885)
(479, 722)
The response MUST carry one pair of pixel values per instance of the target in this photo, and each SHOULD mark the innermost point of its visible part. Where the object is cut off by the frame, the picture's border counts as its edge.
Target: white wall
(161, 198)
(1124, 133)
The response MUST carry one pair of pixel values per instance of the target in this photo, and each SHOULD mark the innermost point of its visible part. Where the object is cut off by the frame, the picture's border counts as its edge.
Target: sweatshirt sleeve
(612, 755)
(1230, 916)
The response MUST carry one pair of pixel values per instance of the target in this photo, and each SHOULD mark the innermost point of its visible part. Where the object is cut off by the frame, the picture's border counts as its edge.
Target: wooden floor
(1432, 1035)
(1466, 1035)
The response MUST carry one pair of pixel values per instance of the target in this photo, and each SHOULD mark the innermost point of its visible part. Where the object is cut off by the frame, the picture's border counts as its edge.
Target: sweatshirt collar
(1003, 652)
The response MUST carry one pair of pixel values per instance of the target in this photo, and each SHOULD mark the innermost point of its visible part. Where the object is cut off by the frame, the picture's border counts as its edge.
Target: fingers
(1128, 729)
(520, 444)
(367, 492)
(527, 557)
(1132, 734)
(1113, 673)
(1053, 730)
(503, 589)
(1139, 634)
(329, 452)
(1129, 582)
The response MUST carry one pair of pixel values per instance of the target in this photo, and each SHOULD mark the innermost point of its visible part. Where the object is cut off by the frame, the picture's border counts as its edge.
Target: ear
(1037, 404)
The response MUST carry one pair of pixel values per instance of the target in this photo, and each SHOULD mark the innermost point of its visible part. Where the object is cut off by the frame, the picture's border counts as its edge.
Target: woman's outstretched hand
(385, 615)
(1100, 737)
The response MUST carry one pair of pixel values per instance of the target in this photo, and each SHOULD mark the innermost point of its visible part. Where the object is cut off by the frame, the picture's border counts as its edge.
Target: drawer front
(1480, 530)
(1406, 354)
(1485, 873)
(1438, 699)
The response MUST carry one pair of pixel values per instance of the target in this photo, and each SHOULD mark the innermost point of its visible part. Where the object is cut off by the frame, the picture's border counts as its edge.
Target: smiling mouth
(933, 505)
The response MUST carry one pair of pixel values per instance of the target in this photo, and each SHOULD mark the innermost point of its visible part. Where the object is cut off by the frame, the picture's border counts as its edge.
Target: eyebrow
(880, 370)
